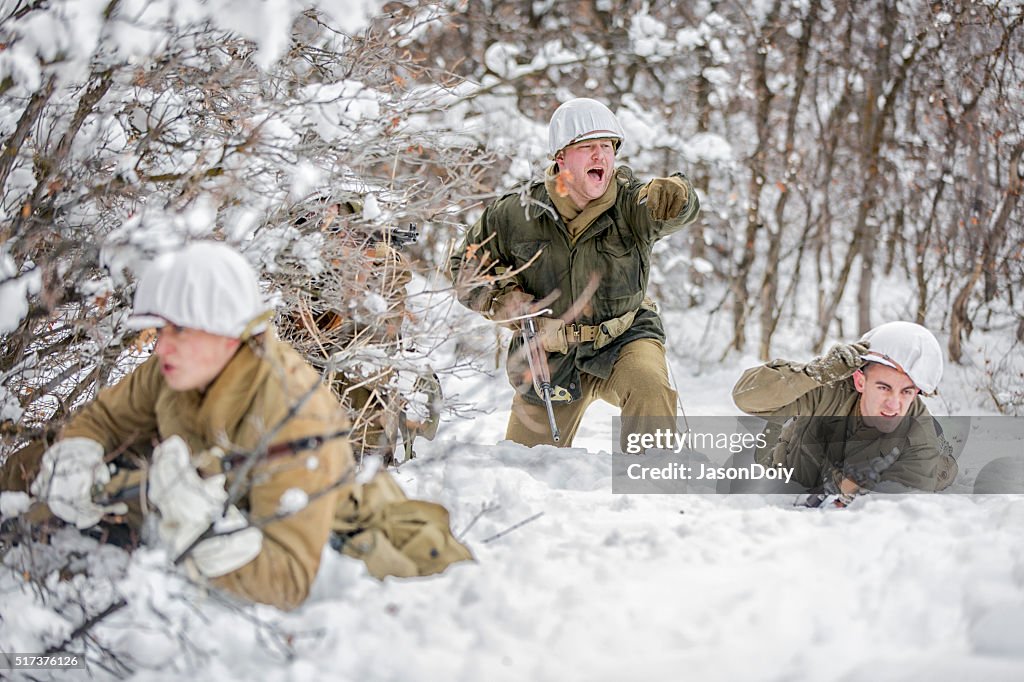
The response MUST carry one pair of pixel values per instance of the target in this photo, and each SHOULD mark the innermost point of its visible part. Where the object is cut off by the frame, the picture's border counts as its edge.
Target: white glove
(189, 505)
(69, 472)
(222, 554)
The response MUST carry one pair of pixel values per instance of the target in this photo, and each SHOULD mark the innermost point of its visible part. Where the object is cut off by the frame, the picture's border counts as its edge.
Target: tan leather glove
(840, 362)
(665, 197)
(510, 304)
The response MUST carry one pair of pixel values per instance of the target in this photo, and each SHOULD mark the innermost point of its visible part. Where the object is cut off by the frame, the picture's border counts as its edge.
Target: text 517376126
(57, 661)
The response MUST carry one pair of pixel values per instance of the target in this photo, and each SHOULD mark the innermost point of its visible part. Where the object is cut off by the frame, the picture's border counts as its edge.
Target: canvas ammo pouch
(393, 535)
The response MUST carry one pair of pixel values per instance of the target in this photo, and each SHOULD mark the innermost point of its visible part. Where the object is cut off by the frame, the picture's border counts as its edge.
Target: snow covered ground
(598, 586)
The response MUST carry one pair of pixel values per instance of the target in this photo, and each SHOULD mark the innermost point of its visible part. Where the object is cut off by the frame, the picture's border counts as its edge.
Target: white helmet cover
(206, 285)
(582, 119)
(908, 347)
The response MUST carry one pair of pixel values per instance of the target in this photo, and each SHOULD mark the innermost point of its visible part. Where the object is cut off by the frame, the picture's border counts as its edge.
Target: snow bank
(602, 586)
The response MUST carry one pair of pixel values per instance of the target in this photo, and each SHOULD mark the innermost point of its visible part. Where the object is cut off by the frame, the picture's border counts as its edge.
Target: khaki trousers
(638, 384)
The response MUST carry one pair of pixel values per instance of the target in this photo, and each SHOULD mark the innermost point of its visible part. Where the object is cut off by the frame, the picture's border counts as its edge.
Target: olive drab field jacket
(250, 398)
(828, 425)
(614, 253)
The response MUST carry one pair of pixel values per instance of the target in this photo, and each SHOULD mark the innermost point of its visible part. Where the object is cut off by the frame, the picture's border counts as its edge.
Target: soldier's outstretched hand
(840, 362)
(665, 197)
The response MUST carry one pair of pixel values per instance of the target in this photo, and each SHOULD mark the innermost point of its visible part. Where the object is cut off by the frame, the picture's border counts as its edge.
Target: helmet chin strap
(885, 357)
(898, 366)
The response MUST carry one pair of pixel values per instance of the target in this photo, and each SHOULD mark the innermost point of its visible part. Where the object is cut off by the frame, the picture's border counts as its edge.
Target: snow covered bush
(132, 126)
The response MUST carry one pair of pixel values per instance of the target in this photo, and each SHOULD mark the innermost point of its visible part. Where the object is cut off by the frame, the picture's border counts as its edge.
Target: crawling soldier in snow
(860, 423)
(237, 442)
(218, 382)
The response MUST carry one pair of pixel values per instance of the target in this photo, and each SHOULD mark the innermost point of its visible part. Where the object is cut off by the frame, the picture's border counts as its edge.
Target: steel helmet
(582, 119)
(908, 347)
(205, 285)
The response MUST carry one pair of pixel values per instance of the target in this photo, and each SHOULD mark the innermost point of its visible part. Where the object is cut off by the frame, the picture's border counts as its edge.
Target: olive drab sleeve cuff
(476, 264)
(768, 389)
(509, 304)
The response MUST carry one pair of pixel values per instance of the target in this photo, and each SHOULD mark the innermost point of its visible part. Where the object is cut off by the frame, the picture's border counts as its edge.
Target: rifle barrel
(535, 355)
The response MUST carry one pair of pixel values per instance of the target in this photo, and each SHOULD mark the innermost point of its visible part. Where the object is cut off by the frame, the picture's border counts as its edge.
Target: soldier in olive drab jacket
(580, 243)
(860, 422)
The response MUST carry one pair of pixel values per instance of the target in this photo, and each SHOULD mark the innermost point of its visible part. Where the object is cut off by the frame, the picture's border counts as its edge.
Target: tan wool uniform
(248, 400)
(829, 426)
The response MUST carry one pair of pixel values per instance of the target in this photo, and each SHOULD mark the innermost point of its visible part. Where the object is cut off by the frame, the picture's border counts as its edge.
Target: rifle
(129, 488)
(397, 237)
(540, 372)
(832, 477)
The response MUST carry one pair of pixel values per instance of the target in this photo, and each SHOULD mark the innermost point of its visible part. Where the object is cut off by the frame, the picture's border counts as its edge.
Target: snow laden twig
(485, 509)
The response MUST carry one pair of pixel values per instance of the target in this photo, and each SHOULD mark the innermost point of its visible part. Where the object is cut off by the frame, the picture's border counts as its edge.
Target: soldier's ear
(860, 380)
